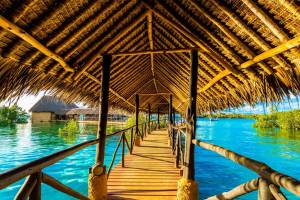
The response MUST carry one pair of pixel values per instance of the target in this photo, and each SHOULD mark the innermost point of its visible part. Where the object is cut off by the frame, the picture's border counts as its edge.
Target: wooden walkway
(149, 172)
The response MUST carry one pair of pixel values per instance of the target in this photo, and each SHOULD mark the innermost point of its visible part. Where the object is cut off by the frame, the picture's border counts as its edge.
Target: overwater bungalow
(49, 108)
(151, 56)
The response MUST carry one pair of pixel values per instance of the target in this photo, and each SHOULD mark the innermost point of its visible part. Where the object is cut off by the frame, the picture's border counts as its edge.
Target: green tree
(13, 114)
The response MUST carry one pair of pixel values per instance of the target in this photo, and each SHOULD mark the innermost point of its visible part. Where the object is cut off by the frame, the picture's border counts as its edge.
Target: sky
(27, 101)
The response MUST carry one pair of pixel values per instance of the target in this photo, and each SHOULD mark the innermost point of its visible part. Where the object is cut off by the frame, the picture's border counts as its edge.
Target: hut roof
(93, 111)
(248, 50)
(52, 104)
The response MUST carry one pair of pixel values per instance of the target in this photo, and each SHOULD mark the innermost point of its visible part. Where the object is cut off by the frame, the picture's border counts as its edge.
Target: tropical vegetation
(275, 119)
(12, 114)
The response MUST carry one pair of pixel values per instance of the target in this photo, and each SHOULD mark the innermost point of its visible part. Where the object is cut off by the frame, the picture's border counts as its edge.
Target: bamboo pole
(11, 27)
(260, 168)
(61, 187)
(238, 191)
(153, 94)
(36, 193)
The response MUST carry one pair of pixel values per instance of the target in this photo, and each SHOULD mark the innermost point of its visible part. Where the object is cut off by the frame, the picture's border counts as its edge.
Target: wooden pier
(149, 173)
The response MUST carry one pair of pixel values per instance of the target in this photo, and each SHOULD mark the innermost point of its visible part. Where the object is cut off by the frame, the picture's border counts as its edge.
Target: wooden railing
(31, 187)
(268, 184)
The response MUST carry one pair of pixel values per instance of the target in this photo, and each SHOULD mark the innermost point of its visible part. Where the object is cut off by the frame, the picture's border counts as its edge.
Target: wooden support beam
(267, 54)
(158, 120)
(137, 105)
(153, 94)
(276, 30)
(193, 37)
(141, 88)
(150, 37)
(264, 192)
(103, 110)
(156, 51)
(110, 89)
(170, 110)
(13, 28)
(109, 43)
(291, 6)
(26, 189)
(189, 168)
(149, 118)
(237, 191)
(62, 187)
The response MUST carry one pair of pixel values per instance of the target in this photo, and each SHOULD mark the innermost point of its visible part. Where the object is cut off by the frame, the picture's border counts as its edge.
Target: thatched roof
(248, 50)
(93, 111)
(52, 104)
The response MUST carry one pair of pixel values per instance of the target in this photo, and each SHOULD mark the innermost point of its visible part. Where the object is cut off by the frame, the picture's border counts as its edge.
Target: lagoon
(26, 142)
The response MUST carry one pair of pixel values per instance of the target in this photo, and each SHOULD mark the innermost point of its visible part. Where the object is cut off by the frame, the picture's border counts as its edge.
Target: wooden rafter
(156, 51)
(267, 54)
(110, 89)
(109, 43)
(184, 31)
(150, 37)
(13, 28)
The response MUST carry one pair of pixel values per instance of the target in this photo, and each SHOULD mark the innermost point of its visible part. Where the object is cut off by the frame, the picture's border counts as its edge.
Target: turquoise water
(215, 174)
(23, 143)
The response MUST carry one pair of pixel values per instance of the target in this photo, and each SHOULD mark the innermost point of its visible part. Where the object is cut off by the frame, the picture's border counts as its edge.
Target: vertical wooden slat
(137, 104)
(170, 110)
(36, 193)
(264, 192)
(103, 109)
(149, 118)
(131, 140)
(189, 168)
(123, 149)
(158, 123)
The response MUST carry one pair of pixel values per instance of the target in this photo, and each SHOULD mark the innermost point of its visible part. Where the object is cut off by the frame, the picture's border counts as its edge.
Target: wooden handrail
(237, 191)
(35, 166)
(260, 168)
(22, 171)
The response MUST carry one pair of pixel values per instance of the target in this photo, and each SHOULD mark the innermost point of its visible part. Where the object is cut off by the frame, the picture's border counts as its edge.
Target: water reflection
(289, 139)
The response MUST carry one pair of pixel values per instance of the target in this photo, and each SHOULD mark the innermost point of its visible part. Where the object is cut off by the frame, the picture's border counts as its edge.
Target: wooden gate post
(137, 140)
(158, 123)
(170, 122)
(187, 187)
(97, 183)
(149, 118)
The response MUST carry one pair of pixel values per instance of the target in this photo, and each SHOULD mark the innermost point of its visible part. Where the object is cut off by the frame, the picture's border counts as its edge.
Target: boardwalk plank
(149, 173)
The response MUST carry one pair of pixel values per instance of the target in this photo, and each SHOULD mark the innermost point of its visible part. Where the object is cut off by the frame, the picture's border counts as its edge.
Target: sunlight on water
(215, 174)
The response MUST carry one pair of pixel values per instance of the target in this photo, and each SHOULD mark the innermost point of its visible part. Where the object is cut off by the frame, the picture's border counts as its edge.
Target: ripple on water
(215, 174)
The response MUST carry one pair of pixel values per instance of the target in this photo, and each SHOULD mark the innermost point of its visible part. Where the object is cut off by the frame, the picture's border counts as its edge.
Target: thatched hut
(49, 108)
(92, 114)
(188, 56)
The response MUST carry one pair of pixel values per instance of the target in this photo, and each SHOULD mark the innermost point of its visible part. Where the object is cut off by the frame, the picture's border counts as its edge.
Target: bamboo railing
(268, 184)
(31, 187)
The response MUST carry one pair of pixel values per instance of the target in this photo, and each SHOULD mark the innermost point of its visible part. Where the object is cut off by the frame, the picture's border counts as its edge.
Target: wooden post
(137, 104)
(36, 192)
(174, 116)
(97, 177)
(131, 140)
(170, 110)
(158, 123)
(187, 187)
(264, 192)
(149, 118)
(123, 149)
